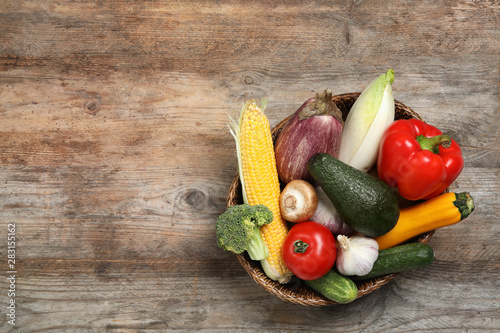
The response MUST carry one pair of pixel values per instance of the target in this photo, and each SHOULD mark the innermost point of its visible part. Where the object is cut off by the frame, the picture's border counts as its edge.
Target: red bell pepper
(418, 159)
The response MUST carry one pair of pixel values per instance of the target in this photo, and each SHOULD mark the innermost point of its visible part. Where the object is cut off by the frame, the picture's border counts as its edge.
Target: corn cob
(260, 182)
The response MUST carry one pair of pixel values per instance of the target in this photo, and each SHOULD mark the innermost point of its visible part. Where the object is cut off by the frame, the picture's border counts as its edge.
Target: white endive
(369, 117)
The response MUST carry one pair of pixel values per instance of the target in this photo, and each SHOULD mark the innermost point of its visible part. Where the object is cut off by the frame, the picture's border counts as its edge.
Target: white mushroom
(298, 201)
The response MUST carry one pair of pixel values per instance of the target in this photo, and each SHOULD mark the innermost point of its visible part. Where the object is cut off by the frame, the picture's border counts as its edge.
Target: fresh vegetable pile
(313, 206)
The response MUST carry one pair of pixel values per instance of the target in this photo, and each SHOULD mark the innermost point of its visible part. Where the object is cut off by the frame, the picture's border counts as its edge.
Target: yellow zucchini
(443, 210)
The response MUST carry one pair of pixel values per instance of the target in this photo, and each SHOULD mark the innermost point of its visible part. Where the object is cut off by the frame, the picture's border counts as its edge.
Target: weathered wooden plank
(115, 157)
(98, 40)
(108, 264)
(106, 125)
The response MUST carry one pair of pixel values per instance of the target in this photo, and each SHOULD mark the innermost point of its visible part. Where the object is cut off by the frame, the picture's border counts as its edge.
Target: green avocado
(365, 203)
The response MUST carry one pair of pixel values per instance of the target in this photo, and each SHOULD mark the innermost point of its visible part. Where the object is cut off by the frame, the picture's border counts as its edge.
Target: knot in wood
(92, 107)
(196, 199)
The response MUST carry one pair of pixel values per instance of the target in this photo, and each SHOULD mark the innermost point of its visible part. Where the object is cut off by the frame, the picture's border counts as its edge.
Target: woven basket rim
(293, 291)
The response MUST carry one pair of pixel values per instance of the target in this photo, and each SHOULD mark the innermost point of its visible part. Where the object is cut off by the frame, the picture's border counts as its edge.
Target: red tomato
(309, 250)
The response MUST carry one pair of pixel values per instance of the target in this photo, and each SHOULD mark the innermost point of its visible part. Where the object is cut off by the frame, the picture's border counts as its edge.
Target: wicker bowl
(295, 291)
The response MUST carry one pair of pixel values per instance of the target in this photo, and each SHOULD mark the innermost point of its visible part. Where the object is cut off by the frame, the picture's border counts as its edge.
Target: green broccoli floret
(238, 230)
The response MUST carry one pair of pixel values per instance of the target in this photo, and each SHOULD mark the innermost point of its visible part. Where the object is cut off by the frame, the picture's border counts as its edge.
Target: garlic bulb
(356, 255)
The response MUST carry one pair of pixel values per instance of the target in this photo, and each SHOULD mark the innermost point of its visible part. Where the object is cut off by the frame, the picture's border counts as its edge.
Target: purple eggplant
(316, 127)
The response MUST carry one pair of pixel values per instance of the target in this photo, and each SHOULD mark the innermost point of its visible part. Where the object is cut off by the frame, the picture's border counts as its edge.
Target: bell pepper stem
(434, 142)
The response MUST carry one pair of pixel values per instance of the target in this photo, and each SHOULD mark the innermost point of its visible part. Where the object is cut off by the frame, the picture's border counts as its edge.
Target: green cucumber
(398, 259)
(335, 287)
(365, 203)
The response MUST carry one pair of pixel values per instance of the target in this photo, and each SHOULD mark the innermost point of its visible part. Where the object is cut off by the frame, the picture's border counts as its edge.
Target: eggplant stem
(322, 105)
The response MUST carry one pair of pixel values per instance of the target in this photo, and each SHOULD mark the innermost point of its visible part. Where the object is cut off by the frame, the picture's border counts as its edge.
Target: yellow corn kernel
(260, 182)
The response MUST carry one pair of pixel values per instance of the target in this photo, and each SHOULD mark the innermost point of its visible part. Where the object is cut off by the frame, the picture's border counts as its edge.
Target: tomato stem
(300, 246)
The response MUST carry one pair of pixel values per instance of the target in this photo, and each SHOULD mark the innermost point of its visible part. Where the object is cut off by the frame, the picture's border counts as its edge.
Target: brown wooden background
(115, 157)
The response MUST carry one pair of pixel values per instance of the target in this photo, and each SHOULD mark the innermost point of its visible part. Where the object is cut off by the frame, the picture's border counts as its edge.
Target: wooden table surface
(116, 158)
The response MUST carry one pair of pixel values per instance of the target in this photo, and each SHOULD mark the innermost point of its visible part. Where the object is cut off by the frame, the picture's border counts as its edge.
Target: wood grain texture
(116, 159)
